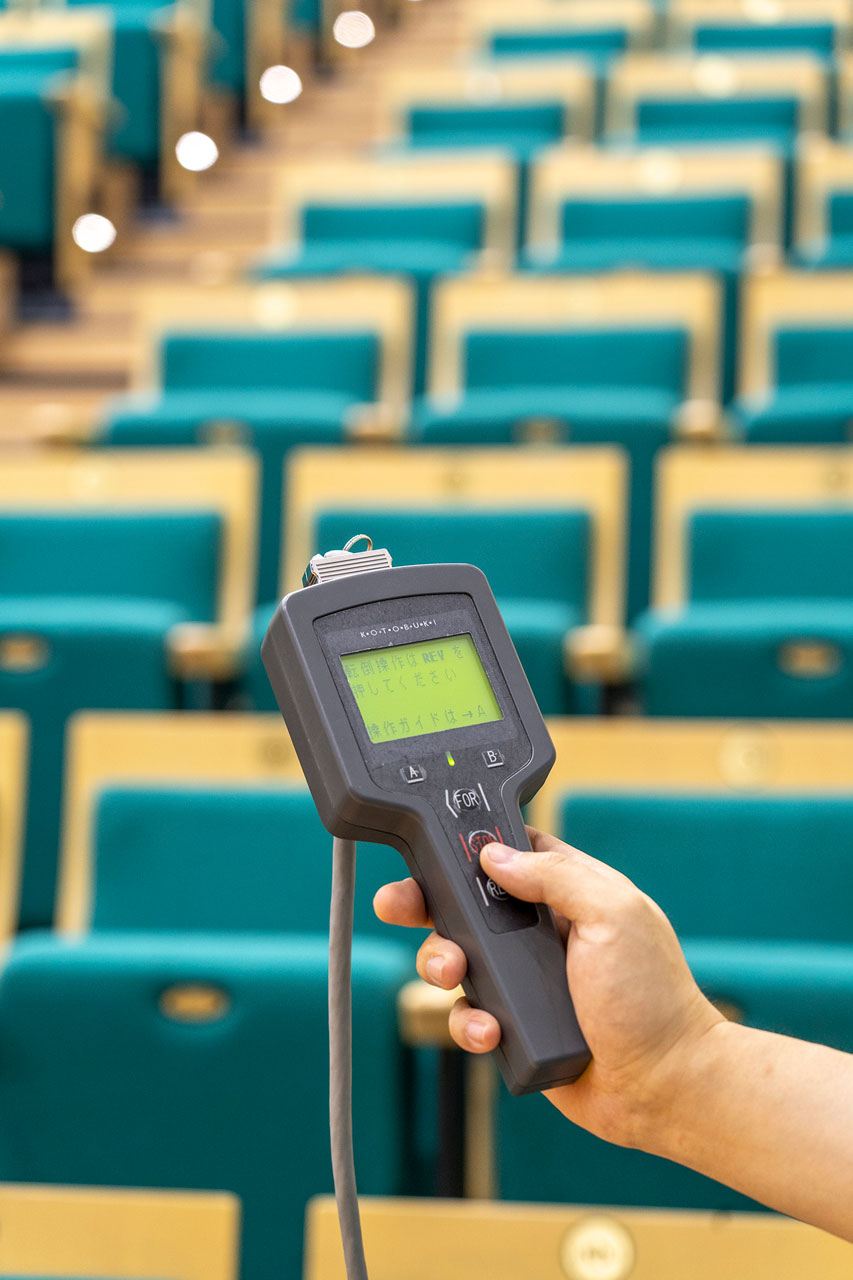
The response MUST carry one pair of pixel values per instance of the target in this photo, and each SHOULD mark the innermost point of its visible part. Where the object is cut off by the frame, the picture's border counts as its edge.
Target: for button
(466, 799)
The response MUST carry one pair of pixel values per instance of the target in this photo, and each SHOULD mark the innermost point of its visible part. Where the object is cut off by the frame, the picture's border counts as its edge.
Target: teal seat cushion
(728, 659)
(496, 411)
(136, 81)
(392, 255)
(766, 38)
(797, 989)
(726, 866)
(269, 422)
(93, 653)
(99, 1087)
(327, 362)
(144, 555)
(629, 251)
(806, 414)
(225, 860)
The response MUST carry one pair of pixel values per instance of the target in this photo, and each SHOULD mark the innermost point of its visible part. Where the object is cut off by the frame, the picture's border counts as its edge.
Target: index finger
(402, 903)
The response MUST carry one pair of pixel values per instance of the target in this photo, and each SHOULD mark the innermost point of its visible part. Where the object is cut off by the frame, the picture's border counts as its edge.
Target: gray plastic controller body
(438, 814)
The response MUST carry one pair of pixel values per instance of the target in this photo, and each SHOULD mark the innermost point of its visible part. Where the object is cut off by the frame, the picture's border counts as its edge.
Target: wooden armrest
(205, 651)
(422, 1013)
(701, 422)
(378, 423)
(599, 654)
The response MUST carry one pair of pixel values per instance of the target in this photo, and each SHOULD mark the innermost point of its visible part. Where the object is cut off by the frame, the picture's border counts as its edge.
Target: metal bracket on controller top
(342, 564)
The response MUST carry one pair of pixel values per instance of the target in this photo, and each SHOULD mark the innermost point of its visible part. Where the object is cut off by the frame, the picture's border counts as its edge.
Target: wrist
(681, 1083)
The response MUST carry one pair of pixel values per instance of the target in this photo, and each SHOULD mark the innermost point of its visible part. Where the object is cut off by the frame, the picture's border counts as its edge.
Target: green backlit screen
(411, 689)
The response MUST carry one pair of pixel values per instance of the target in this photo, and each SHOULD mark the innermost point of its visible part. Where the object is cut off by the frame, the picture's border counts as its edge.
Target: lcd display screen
(408, 690)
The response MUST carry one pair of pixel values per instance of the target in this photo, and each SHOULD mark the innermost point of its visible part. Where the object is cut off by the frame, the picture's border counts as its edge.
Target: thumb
(580, 887)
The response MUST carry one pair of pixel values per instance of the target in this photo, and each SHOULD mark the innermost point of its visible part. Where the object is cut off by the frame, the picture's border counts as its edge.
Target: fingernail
(476, 1032)
(500, 853)
(435, 968)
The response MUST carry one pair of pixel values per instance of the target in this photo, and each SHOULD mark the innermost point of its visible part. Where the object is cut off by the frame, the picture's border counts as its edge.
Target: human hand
(637, 1003)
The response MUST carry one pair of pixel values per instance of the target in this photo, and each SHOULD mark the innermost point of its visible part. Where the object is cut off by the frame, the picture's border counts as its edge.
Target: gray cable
(340, 1055)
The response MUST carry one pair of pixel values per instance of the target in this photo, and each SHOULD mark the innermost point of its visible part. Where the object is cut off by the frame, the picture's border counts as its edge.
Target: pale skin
(769, 1115)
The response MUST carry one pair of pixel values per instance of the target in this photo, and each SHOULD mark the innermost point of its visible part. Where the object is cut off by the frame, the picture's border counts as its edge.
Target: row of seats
(196, 899)
(714, 210)
(127, 580)
(621, 358)
(95, 99)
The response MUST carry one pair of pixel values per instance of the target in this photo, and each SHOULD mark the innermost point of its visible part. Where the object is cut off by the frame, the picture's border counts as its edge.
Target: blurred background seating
(561, 289)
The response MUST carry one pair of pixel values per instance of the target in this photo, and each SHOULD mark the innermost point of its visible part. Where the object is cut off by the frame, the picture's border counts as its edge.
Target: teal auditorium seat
(136, 77)
(197, 1062)
(601, 374)
(29, 83)
(224, 860)
(811, 401)
(102, 562)
(269, 391)
(101, 592)
(269, 366)
(758, 934)
(541, 598)
(420, 240)
(762, 584)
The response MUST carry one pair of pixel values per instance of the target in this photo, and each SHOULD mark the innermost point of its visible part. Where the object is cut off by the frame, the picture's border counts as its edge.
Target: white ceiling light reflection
(93, 233)
(196, 152)
(353, 29)
(280, 84)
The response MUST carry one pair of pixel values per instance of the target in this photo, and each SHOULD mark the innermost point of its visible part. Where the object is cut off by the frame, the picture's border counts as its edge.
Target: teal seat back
(589, 42)
(813, 355)
(456, 224)
(727, 866)
(771, 555)
(487, 125)
(306, 15)
(615, 357)
(345, 362)
(766, 37)
(705, 217)
(692, 119)
(507, 545)
(141, 555)
(224, 860)
(101, 1086)
(95, 594)
(28, 152)
(839, 213)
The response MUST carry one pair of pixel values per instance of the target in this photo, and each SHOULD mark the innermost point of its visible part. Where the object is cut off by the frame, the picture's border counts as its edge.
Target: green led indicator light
(450, 759)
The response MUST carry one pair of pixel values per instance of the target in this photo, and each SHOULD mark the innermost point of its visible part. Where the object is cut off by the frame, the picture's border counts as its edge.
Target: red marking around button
(464, 846)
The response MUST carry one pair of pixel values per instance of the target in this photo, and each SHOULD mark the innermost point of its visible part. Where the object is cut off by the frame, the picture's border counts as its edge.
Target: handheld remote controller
(416, 727)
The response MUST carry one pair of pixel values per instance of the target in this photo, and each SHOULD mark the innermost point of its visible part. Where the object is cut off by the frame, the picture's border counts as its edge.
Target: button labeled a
(412, 773)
